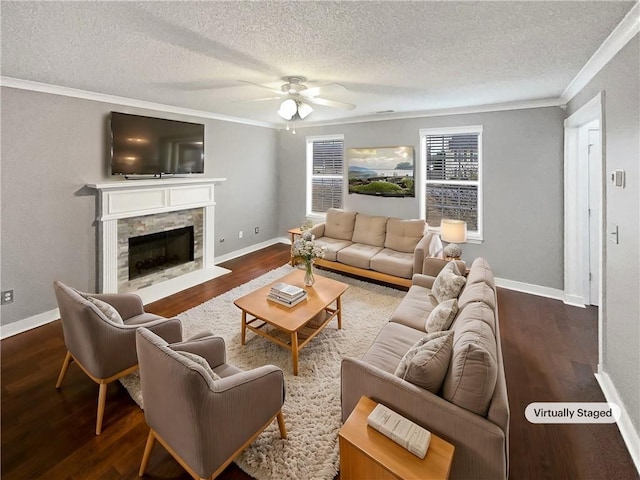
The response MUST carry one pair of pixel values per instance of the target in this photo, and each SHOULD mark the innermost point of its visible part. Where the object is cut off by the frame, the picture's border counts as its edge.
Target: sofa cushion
(401, 369)
(370, 230)
(415, 307)
(404, 235)
(339, 224)
(481, 272)
(475, 311)
(429, 365)
(358, 255)
(333, 246)
(473, 371)
(392, 262)
(442, 316)
(477, 292)
(390, 345)
(447, 284)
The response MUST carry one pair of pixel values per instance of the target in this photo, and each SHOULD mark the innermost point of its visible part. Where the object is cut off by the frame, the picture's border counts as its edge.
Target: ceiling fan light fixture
(304, 109)
(288, 109)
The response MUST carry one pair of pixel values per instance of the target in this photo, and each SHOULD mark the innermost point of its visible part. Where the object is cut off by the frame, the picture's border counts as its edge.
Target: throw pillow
(428, 367)
(452, 267)
(447, 284)
(442, 316)
(471, 381)
(106, 309)
(200, 361)
(415, 348)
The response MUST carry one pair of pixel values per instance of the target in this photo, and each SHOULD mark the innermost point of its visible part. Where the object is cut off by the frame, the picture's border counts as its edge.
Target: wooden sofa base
(372, 274)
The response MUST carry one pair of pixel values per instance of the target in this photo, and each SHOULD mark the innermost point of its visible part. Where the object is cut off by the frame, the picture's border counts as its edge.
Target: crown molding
(494, 107)
(628, 28)
(129, 102)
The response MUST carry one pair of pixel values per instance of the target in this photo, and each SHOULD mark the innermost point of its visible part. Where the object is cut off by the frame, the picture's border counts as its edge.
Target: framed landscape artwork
(382, 171)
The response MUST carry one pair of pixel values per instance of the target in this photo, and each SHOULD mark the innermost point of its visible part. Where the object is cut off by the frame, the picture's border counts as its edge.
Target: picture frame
(382, 171)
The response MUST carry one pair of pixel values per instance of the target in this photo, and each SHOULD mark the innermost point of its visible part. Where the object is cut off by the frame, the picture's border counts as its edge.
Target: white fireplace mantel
(132, 198)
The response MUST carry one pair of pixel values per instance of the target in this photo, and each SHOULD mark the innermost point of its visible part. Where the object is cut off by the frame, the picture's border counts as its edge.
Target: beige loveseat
(470, 406)
(382, 248)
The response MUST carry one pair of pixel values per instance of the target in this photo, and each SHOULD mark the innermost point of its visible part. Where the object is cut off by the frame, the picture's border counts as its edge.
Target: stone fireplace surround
(148, 206)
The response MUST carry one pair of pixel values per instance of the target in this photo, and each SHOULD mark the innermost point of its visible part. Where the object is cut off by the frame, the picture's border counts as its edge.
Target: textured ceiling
(400, 56)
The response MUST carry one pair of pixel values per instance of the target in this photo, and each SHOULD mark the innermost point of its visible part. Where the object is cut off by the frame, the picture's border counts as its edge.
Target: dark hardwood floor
(550, 353)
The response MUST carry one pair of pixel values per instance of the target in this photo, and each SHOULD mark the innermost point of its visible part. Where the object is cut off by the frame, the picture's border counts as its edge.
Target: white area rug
(312, 405)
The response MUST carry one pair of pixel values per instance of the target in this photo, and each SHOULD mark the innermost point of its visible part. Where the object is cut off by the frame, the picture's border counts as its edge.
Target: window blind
(452, 178)
(326, 183)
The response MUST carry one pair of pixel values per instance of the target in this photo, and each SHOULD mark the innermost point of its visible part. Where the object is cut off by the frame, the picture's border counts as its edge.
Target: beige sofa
(381, 248)
(470, 408)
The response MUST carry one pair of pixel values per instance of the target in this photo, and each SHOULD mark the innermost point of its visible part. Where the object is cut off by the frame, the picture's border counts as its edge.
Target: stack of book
(288, 295)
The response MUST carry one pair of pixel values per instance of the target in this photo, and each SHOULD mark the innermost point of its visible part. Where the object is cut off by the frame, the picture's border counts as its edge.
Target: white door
(595, 199)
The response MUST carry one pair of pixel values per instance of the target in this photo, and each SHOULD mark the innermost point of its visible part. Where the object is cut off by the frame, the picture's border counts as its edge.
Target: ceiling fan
(297, 97)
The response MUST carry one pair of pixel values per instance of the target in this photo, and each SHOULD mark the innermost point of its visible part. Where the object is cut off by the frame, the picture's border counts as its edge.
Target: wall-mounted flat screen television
(155, 146)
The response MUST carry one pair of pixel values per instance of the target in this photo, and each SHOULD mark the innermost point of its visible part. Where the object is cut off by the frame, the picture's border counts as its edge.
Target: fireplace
(155, 248)
(128, 209)
(156, 252)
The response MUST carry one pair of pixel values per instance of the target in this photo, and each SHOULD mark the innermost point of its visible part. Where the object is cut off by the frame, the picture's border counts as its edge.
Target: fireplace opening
(159, 251)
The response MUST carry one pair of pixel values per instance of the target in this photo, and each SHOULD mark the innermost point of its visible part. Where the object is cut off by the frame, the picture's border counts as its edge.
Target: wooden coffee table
(292, 327)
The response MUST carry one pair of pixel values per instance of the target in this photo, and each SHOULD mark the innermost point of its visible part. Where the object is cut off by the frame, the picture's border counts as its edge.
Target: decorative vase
(309, 279)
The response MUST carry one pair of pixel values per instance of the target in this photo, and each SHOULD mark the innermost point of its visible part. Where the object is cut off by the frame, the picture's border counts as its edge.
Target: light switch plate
(618, 178)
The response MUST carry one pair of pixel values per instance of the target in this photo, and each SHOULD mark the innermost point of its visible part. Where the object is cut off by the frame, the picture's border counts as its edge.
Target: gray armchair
(204, 415)
(103, 348)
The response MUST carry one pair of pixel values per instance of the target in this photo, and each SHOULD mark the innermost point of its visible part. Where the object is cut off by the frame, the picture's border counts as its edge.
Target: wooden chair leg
(63, 371)
(102, 398)
(151, 439)
(283, 429)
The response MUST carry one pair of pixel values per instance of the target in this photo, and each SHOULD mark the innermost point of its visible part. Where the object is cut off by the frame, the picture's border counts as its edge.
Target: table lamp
(453, 232)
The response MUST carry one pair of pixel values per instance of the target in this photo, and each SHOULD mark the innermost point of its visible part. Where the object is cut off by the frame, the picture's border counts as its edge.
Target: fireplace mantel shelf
(131, 198)
(136, 184)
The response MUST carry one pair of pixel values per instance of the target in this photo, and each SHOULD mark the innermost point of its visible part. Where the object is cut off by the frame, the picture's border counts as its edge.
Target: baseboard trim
(29, 323)
(629, 434)
(253, 248)
(574, 300)
(538, 290)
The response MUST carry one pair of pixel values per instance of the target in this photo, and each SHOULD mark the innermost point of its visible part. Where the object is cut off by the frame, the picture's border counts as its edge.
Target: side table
(366, 453)
(293, 232)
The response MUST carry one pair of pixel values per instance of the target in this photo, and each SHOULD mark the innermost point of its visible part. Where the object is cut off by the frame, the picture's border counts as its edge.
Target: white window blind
(453, 169)
(325, 158)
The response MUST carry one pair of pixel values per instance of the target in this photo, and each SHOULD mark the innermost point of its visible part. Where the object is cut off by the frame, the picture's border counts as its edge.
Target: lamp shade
(453, 231)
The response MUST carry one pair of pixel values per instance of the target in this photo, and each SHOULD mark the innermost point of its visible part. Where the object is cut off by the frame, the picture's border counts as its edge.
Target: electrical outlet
(240, 234)
(7, 296)
(257, 230)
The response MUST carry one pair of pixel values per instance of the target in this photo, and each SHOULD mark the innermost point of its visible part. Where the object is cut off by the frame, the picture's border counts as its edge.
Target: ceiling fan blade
(323, 89)
(273, 90)
(259, 99)
(331, 103)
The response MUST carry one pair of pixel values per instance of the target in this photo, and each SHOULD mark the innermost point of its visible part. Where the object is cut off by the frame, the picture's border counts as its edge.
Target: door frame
(576, 204)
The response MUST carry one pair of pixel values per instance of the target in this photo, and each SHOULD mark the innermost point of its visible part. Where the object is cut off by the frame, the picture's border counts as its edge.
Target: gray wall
(620, 82)
(52, 146)
(523, 185)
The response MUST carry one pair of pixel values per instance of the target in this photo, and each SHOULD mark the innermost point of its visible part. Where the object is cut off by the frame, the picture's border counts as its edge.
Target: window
(452, 161)
(325, 173)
